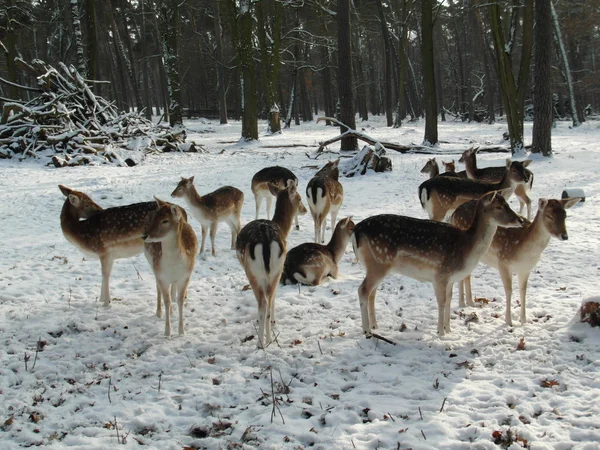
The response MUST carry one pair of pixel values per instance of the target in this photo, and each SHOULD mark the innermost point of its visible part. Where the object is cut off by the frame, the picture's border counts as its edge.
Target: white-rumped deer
(261, 249)
(325, 195)
(518, 250)
(170, 247)
(275, 175)
(310, 263)
(106, 234)
(425, 250)
(494, 175)
(440, 196)
(222, 205)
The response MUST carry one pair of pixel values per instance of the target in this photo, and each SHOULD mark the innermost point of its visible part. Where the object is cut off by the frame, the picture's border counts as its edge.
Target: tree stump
(370, 157)
(590, 311)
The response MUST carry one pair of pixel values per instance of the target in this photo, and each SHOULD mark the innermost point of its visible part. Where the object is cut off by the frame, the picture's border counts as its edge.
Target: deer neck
(337, 244)
(435, 171)
(284, 214)
(173, 243)
(471, 166)
(480, 234)
(192, 197)
(536, 234)
(69, 220)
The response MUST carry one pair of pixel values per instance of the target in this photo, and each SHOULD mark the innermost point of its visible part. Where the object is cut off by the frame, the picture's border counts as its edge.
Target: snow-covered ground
(108, 378)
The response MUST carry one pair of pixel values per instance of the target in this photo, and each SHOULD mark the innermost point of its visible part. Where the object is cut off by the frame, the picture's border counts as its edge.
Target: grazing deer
(425, 250)
(518, 250)
(432, 168)
(325, 195)
(442, 195)
(222, 205)
(170, 248)
(275, 175)
(310, 263)
(106, 234)
(261, 249)
(495, 174)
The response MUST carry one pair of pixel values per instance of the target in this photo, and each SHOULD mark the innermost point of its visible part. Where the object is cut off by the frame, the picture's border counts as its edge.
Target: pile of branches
(72, 126)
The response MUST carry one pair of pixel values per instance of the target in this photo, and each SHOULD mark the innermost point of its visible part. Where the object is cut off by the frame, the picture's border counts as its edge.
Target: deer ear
(176, 212)
(191, 179)
(508, 162)
(527, 162)
(569, 202)
(158, 201)
(274, 190)
(336, 162)
(476, 149)
(542, 202)
(74, 200)
(65, 190)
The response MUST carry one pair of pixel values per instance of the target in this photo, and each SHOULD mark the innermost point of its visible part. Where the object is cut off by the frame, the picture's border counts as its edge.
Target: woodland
(290, 61)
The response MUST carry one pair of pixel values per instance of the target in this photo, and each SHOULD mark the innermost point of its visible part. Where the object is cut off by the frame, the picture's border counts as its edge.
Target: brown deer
(325, 195)
(275, 175)
(431, 167)
(261, 249)
(106, 234)
(222, 205)
(425, 250)
(494, 175)
(518, 250)
(442, 195)
(170, 248)
(310, 263)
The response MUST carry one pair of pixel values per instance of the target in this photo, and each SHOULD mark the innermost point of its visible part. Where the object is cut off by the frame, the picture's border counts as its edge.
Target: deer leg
(317, 220)
(468, 292)
(234, 231)
(324, 225)
(269, 204)
(270, 295)
(204, 229)
(158, 301)
(296, 221)
(461, 293)
(366, 298)
(506, 277)
(166, 293)
(257, 202)
(213, 233)
(439, 288)
(447, 307)
(106, 262)
(523, 279)
(181, 292)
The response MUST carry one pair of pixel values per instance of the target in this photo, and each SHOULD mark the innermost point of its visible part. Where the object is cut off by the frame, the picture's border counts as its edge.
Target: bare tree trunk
(246, 62)
(145, 63)
(347, 112)
(431, 132)
(92, 39)
(403, 14)
(387, 45)
(219, 62)
(81, 66)
(169, 15)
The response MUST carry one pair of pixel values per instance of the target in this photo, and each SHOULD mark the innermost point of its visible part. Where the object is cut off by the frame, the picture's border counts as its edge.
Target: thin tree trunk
(169, 13)
(92, 39)
(246, 62)
(347, 111)
(388, 100)
(431, 132)
(219, 62)
(542, 94)
(145, 63)
(81, 66)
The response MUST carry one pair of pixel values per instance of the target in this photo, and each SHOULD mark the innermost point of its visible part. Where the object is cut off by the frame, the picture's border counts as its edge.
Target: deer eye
(165, 221)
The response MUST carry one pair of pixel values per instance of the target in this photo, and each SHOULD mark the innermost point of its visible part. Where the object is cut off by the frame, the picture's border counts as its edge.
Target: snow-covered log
(71, 125)
(369, 158)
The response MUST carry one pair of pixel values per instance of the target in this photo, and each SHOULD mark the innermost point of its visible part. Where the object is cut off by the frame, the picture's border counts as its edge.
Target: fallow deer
(222, 205)
(275, 175)
(310, 263)
(518, 250)
(325, 195)
(170, 248)
(106, 234)
(261, 249)
(425, 250)
(495, 174)
(431, 167)
(442, 195)
(449, 167)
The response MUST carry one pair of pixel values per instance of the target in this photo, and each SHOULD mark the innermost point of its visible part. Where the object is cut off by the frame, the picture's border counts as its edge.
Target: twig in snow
(319, 344)
(420, 413)
(159, 381)
(423, 433)
(381, 338)
(274, 400)
(117, 428)
(109, 384)
(26, 359)
(37, 349)
(443, 403)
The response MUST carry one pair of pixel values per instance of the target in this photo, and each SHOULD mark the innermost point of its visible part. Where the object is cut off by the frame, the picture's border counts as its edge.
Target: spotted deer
(170, 248)
(261, 249)
(433, 170)
(518, 250)
(310, 263)
(106, 234)
(440, 196)
(223, 205)
(494, 175)
(325, 195)
(275, 175)
(425, 250)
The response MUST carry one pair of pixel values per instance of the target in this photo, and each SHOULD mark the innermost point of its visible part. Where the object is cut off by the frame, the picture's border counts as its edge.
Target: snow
(334, 389)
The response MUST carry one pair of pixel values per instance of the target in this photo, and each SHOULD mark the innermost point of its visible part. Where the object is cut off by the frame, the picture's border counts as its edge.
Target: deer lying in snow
(518, 250)
(170, 247)
(442, 195)
(106, 234)
(494, 175)
(222, 205)
(325, 195)
(275, 175)
(310, 263)
(433, 170)
(425, 250)
(261, 249)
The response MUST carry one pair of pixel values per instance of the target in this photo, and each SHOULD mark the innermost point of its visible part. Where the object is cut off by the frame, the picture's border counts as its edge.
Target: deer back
(275, 175)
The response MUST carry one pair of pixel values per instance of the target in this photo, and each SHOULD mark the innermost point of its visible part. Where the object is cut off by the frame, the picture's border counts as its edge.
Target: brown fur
(328, 201)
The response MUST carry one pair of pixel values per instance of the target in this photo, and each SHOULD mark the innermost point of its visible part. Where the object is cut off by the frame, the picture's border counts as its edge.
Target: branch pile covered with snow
(71, 125)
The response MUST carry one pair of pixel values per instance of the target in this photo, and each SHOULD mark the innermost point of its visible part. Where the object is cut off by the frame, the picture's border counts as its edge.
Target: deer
(431, 167)
(517, 251)
(223, 205)
(261, 248)
(170, 246)
(275, 175)
(105, 234)
(495, 174)
(310, 263)
(440, 196)
(325, 195)
(426, 250)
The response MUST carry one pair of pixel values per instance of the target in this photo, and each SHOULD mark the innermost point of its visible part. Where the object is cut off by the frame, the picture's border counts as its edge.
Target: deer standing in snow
(325, 195)
(261, 249)
(310, 263)
(222, 205)
(425, 250)
(275, 175)
(106, 234)
(442, 195)
(170, 248)
(518, 250)
(433, 170)
(494, 175)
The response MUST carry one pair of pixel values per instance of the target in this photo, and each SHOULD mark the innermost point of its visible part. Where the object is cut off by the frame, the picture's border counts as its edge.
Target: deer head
(554, 215)
(183, 187)
(163, 222)
(83, 205)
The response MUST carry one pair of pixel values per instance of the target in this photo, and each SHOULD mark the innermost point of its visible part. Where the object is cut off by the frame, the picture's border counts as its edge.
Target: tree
(246, 62)
(347, 112)
(219, 59)
(169, 24)
(431, 132)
